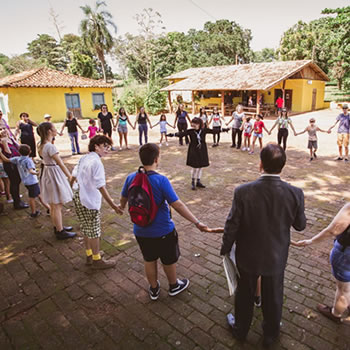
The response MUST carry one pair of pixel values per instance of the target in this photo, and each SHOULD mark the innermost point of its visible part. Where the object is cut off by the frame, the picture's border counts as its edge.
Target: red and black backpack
(142, 206)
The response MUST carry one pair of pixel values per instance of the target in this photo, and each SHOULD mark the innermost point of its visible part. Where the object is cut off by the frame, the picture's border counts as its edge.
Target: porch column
(193, 104)
(284, 93)
(169, 101)
(257, 102)
(223, 103)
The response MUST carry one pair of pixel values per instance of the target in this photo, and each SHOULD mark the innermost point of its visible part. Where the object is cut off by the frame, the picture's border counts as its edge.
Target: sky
(22, 20)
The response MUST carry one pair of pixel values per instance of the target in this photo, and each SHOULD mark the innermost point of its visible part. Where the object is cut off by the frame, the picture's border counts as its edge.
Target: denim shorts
(340, 261)
(259, 136)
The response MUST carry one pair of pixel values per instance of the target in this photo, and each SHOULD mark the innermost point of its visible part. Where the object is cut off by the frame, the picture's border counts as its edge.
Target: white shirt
(90, 175)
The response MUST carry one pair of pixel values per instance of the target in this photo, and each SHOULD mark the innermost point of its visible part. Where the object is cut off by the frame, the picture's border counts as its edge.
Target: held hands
(202, 227)
(302, 243)
(118, 209)
(329, 131)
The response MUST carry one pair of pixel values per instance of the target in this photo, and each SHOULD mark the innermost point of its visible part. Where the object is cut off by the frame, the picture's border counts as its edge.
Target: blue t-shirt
(182, 117)
(24, 163)
(344, 124)
(163, 194)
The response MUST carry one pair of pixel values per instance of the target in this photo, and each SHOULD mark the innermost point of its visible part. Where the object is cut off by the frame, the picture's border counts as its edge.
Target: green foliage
(133, 96)
(95, 32)
(20, 63)
(82, 65)
(265, 55)
(46, 49)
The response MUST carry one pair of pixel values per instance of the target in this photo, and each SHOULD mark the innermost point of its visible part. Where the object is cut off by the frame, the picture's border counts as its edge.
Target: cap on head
(345, 106)
(312, 120)
(47, 116)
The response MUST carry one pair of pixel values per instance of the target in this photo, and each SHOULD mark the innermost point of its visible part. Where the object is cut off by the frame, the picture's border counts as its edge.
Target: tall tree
(265, 55)
(95, 32)
(46, 49)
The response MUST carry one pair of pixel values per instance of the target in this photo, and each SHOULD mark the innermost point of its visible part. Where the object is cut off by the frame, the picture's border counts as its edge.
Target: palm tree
(95, 33)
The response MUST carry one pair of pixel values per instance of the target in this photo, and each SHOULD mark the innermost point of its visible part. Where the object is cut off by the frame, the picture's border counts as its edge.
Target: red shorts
(246, 134)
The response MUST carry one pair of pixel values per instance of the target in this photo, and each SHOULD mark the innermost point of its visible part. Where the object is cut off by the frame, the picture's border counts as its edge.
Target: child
(159, 239)
(247, 129)
(163, 123)
(5, 184)
(90, 175)
(312, 143)
(197, 155)
(27, 172)
(216, 119)
(92, 129)
(258, 131)
(54, 184)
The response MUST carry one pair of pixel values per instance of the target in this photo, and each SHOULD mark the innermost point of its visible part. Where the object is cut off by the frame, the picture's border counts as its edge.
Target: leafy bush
(133, 96)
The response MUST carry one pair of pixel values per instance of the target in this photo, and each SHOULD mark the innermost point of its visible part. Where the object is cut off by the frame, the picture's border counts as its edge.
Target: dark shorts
(107, 132)
(33, 190)
(166, 248)
(312, 144)
(340, 261)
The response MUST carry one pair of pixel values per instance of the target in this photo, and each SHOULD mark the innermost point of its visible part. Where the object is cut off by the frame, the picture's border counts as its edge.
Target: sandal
(327, 311)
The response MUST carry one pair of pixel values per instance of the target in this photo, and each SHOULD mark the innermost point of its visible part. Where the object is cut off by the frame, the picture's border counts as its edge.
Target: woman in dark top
(197, 155)
(10, 149)
(339, 229)
(24, 127)
(181, 116)
(142, 119)
(105, 121)
(72, 125)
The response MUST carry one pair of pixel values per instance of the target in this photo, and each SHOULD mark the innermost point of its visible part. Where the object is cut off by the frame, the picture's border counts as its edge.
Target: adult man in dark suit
(259, 222)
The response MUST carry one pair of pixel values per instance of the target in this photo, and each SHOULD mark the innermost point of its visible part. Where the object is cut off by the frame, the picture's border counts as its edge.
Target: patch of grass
(332, 93)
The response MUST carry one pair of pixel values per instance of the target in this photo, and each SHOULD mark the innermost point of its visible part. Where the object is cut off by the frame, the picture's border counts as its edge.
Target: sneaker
(311, 159)
(251, 152)
(35, 215)
(102, 264)
(181, 285)
(89, 258)
(339, 158)
(160, 145)
(346, 160)
(213, 145)
(244, 149)
(9, 201)
(154, 292)
(73, 153)
(315, 155)
(120, 148)
(166, 144)
(113, 149)
(233, 146)
(257, 301)
(248, 149)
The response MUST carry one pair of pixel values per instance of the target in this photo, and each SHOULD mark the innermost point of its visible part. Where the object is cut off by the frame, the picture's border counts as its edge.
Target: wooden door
(288, 99)
(73, 104)
(314, 94)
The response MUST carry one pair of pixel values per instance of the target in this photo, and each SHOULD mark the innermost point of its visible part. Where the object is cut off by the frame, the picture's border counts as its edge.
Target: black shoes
(179, 287)
(154, 292)
(199, 184)
(193, 185)
(64, 234)
(257, 301)
(35, 215)
(20, 205)
(232, 323)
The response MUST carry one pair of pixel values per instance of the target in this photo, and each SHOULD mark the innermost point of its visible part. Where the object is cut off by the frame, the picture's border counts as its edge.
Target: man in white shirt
(90, 176)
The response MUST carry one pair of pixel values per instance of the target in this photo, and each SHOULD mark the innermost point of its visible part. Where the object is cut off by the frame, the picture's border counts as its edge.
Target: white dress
(54, 185)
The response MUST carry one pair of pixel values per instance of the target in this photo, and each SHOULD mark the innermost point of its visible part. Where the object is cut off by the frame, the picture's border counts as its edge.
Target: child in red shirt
(258, 132)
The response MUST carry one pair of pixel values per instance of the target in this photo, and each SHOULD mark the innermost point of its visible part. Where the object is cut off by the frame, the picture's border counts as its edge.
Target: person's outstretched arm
(300, 219)
(183, 210)
(274, 125)
(109, 200)
(338, 225)
(333, 125)
(61, 132)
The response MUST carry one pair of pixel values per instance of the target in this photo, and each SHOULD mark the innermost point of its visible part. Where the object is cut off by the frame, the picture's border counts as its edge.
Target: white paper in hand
(231, 270)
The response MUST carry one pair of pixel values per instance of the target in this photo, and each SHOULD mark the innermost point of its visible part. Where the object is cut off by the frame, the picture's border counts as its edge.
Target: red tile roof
(45, 77)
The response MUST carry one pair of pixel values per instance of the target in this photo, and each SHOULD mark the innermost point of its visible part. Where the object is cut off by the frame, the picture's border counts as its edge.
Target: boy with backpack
(148, 194)
(90, 176)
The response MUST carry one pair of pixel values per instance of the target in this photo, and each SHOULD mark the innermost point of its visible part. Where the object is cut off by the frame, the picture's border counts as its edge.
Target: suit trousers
(271, 303)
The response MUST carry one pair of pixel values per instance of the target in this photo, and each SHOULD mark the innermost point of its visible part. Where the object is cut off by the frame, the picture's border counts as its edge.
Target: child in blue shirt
(159, 239)
(163, 123)
(28, 174)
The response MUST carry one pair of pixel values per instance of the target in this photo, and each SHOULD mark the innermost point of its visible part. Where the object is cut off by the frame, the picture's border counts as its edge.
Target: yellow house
(47, 91)
(301, 84)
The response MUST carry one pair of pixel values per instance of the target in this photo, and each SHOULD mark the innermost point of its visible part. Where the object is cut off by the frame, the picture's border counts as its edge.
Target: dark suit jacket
(259, 222)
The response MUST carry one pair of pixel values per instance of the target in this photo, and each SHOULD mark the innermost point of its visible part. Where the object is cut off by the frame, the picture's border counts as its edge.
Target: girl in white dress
(55, 188)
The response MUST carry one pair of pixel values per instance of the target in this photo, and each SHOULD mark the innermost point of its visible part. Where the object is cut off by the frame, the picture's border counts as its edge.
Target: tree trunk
(103, 64)
(340, 83)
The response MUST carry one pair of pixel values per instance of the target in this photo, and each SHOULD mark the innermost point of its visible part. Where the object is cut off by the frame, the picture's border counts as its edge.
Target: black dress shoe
(232, 323)
(64, 234)
(199, 184)
(269, 341)
(20, 205)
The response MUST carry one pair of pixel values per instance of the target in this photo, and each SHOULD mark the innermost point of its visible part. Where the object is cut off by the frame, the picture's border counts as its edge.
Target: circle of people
(86, 186)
